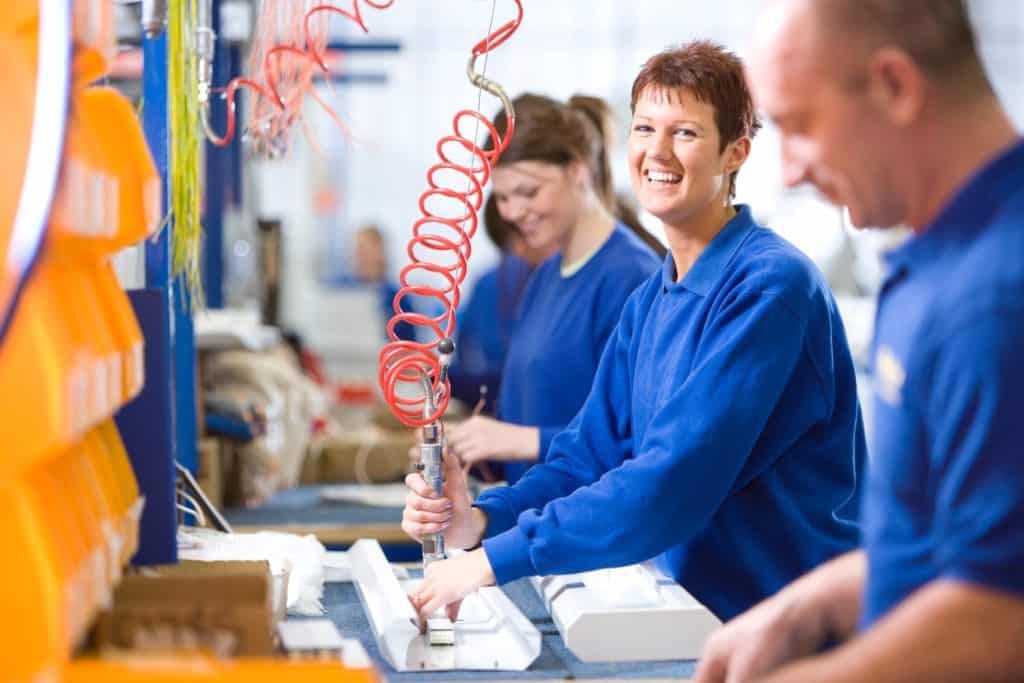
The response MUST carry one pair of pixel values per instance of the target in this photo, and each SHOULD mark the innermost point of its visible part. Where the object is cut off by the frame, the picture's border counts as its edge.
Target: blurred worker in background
(554, 183)
(486, 321)
(722, 434)
(885, 107)
(370, 268)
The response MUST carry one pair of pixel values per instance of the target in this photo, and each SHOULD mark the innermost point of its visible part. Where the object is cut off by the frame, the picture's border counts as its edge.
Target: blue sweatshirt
(484, 329)
(563, 326)
(722, 435)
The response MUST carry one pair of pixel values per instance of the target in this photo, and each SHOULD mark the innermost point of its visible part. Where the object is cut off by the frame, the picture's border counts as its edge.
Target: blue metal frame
(159, 426)
(181, 344)
(370, 45)
(148, 424)
(147, 430)
(154, 123)
(222, 168)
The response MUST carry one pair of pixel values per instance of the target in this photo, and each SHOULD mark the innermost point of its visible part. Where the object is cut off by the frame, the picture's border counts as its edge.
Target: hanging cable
(289, 64)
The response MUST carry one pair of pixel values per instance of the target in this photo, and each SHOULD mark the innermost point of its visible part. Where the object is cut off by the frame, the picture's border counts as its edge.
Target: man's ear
(896, 85)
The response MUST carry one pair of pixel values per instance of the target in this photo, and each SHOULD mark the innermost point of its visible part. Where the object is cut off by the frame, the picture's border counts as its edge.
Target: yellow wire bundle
(183, 110)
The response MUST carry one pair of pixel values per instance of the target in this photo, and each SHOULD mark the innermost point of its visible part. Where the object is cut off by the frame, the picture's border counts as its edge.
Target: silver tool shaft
(430, 452)
(433, 474)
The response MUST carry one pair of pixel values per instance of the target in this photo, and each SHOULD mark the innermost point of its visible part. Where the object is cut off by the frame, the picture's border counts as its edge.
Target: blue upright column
(147, 424)
(219, 171)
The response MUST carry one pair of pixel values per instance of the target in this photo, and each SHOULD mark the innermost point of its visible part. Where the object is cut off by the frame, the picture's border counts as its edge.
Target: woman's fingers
(421, 517)
(418, 502)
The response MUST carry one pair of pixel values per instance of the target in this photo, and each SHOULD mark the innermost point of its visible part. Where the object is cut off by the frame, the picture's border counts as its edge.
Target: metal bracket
(490, 634)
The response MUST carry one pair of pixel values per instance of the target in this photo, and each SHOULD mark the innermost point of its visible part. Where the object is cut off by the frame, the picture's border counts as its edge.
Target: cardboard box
(211, 470)
(368, 456)
(221, 607)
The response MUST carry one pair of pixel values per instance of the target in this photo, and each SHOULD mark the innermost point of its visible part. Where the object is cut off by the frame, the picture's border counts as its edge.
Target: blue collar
(968, 212)
(708, 267)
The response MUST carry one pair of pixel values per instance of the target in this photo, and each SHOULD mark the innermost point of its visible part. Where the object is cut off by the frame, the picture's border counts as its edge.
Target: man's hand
(787, 626)
(757, 642)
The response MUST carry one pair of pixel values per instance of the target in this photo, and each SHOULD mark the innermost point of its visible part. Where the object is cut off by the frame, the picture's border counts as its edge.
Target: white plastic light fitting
(490, 633)
(632, 613)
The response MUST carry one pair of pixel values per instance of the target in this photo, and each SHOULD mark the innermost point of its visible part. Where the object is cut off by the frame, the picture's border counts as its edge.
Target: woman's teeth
(660, 177)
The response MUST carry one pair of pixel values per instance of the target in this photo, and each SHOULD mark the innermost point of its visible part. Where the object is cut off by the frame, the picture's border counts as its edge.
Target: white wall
(381, 174)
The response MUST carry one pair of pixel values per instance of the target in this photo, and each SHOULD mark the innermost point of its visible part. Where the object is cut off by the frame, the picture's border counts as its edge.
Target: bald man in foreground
(884, 106)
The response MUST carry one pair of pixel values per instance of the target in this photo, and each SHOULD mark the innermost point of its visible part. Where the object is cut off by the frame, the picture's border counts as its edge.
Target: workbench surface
(302, 511)
(342, 605)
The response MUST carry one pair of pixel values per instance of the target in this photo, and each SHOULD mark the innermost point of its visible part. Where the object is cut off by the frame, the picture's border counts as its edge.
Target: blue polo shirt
(722, 435)
(945, 492)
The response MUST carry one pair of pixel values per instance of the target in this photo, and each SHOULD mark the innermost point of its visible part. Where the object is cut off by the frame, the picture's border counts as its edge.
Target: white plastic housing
(660, 622)
(490, 634)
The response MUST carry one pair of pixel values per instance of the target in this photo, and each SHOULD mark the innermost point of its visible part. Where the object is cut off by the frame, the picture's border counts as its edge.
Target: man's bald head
(935, 34)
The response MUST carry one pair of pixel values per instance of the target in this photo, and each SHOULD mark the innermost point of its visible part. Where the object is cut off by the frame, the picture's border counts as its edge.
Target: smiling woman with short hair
(723, 434)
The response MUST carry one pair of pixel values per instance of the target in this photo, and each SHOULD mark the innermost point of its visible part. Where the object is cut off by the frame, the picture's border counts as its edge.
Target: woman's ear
(736, 153)
(579, 174)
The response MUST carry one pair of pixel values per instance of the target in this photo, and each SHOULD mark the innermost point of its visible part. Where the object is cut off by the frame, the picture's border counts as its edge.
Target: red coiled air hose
(404, 364)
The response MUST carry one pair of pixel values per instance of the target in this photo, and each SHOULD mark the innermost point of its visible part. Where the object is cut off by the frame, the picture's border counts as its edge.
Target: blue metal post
(184, 343)
(154, 122)
(218, 173)
(235, 69)
(147, 423)
(181, 344)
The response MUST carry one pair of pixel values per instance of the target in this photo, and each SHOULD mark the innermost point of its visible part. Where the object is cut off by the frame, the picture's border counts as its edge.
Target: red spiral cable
(270, 91)
(405, 363)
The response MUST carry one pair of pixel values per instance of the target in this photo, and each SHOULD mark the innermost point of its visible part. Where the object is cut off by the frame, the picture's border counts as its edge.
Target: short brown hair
(936, 34)
(561, 133)
(711, 74)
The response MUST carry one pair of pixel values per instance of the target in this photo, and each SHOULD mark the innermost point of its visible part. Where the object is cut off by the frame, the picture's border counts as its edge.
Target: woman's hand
(453, 514)
(483, 438)
(447, 582)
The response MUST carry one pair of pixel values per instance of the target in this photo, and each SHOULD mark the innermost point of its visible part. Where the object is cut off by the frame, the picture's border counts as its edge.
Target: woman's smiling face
(541, 199)
(676, 165)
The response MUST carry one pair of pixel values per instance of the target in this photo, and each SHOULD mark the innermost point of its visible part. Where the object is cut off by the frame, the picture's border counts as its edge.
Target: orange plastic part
(115, 457)
(22, 17)
(88, 65)
(87, 522)
(104, 501)
(123, 325)
(16, 117)
(35, 638)
(93, 28)
(198, 669)
(120, 134)
(43, 376)
(82, 304)
(109, 195)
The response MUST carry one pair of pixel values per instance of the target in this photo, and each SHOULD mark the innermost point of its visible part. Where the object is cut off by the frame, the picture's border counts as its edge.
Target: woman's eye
(641, 128)
(686, 133)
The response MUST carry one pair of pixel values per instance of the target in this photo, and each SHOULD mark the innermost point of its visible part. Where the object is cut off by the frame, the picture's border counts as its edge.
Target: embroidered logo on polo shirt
(889, 376)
